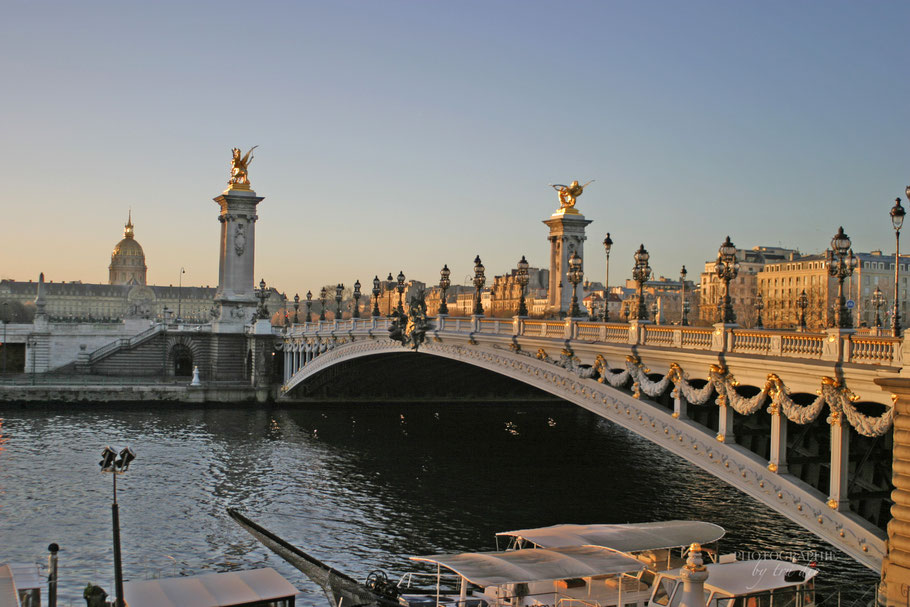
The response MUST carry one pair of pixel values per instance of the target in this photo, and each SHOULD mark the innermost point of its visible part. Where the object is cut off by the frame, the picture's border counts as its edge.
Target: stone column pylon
(567, 236)
(235, 298)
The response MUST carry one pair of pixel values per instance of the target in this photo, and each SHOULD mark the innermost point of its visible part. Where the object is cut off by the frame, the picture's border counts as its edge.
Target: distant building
(505, 294)
(661, 294)
(128, 259)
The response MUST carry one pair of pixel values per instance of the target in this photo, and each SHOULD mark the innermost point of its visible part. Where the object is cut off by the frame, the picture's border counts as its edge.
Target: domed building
(128, 260)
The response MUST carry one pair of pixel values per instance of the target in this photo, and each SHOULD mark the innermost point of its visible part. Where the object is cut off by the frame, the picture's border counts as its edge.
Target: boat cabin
(757, 583)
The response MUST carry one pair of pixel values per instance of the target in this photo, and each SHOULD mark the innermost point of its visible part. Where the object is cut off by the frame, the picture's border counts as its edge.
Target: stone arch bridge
(795, 420)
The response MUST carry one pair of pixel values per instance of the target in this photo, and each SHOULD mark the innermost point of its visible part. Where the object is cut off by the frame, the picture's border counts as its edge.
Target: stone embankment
(86, 391)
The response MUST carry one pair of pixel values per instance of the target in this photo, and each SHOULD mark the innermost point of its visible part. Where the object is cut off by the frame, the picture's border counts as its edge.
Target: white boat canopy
(257, 586)
(747, 577)
(633, 537)
(535, 564)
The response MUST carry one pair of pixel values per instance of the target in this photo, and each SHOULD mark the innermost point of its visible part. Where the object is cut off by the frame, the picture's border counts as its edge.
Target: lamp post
(263, 312)
(878, 301)
(5, 322)
(339, 288)
(654, 310)
(180, 291)
(376, 292)
(608, 244)
(390, 287)
(479, 280)
(897, 220)
(684, 321)
(444, 283)
(323, 295)
(726, 268)
(759, 306)
(356, 313)
(309, 304)
(400, 288)
(116, 465)
(523, 279)
(840, 265)
(296, 308)
(641, 272)
(32, 343)
(575, 276)
(802, 302)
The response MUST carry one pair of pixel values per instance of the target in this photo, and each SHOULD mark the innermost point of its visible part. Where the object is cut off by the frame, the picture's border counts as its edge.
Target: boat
(532, 572)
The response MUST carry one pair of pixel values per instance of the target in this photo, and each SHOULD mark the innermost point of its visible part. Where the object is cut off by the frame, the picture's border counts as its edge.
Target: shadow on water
(360, 486)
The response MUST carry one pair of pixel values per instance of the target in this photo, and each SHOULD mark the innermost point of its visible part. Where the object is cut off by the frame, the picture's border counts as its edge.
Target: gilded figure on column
(568, 193)
(240, 179)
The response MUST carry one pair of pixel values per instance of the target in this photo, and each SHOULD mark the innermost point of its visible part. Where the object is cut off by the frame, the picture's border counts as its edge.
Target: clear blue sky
(404, 135)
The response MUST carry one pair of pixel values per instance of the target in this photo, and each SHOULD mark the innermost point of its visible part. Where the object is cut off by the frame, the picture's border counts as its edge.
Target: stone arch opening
(182, 360)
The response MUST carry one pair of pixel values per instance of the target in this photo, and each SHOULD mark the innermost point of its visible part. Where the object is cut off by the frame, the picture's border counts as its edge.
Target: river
(360, 486)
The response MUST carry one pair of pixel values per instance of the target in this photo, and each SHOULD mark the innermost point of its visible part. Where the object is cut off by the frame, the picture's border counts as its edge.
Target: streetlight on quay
(444, 283)
(376, 292)
(356, 313)
(575, 276)
(116, 465)
(323, 295)
(479, 281)
(523, 279)
(400, 288)
(641, 272)
(608, 244)
(897, 220)
(685, 304)
(180, 292)
(726, 268)
(339, 289)
(878, 302)
(802, 302)
(841, 264)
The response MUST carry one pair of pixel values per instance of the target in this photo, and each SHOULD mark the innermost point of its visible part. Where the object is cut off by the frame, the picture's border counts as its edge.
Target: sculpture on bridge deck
(240, 178)
(411, 328)
(568, 193)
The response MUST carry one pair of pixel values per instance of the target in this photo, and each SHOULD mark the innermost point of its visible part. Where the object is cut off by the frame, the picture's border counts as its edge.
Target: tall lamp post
(263, 311)
(878, 302)
(608, 244)
(376, 292)
(802, 302)
(444, 283)
(897, 220)
(390, 288)
(309, 304)
(116, 465)
(296, 308)
(339, 288)
(180, 291)
(641, 272)
(685, 308)
(841, 265)
(759, 306)
(479, 281)
(575, 276)
(400, 288)
(356, 313)
(323, 295)
(726, 268)
(523, 279)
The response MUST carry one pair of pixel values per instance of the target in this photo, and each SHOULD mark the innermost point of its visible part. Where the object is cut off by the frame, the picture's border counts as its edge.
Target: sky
(404, 135)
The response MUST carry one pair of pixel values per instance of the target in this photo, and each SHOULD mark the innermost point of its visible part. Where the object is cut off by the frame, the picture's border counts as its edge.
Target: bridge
(793, 419)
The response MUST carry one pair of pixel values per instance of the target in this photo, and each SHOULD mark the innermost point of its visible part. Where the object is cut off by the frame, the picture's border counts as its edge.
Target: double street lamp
(116, 464)
(479, 281)
(575, 276)
(444, 283)
(841, 264)
(376, 291)
(726, 268)
(897, 220)
(641, 272)
(523, 279)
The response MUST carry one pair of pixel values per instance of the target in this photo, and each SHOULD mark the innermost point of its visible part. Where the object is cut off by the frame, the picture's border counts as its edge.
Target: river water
(359, 486)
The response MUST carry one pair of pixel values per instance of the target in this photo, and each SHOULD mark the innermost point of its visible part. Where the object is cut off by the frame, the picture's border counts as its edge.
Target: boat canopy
(748, 577)
(535, 564)
(634, 537)
(255, 586)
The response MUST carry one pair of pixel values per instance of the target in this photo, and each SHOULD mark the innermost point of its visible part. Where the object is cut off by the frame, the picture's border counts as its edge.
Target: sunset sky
(405, 135)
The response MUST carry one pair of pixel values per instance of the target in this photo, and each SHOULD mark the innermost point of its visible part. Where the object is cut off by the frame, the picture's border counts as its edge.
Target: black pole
(52, 576)
(118, 568)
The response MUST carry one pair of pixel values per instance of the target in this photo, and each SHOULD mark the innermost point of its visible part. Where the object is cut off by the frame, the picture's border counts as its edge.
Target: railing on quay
(835, 344)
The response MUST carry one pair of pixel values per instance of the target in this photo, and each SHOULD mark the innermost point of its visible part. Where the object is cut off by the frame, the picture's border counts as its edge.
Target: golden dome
(128, 259)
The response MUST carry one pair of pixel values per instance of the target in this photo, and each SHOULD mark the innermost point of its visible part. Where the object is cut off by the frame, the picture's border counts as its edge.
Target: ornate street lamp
(284, 309)
(263, 311)
(523, 279)
(356, 313)
(878, 301)
(897, 220)
(654, 310)
(444, 284)
(841, 264)
(802, 302)
(641, 272)
(390, 288)
(400, 291)
(296, 308)
(685, 309)
(376, 291)
(323, 295)
(339, 288)
(575, 276)
(726, 268)
(608, 244)
(479, 281)
(309, 304)
(116, 465)
(759, 306)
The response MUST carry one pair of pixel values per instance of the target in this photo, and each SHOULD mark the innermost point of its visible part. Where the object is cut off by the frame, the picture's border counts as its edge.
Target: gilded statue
(568, 193)
(240, 178)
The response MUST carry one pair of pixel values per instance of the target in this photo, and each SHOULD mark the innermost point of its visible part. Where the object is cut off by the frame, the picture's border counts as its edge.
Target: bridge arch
(710, 445)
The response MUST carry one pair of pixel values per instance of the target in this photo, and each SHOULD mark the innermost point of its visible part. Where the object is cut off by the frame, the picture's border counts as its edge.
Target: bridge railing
(834, 344)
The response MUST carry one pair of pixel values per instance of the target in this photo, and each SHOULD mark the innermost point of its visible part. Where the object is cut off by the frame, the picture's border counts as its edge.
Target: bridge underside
(799, 491)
